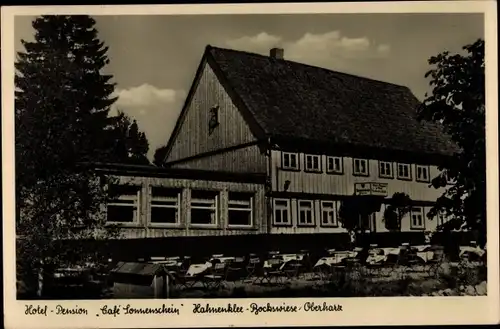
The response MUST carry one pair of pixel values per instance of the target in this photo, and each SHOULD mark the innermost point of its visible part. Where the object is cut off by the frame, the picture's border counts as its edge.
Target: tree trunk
(39, 290)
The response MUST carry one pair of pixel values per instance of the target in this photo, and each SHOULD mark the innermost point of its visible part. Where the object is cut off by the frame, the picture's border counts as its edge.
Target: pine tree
(61, 113)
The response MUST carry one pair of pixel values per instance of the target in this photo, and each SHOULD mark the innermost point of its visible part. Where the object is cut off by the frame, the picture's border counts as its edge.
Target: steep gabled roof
(290, 100)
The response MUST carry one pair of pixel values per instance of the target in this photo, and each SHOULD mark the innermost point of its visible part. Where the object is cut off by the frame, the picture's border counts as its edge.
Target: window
(361, 167)
(404, 171)
(282, 212)
(123, 208)
(204, 207)
(165, 205)
(313, 162)
(334, 165)
(385, 169)
(417, 218)
(290, 161)
(240, 209)
(328, 213)
(306, 216)
(214, 119)
(423, 174)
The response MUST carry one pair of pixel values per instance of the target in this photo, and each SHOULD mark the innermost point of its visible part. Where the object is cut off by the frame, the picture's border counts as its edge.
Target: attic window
(214, 119)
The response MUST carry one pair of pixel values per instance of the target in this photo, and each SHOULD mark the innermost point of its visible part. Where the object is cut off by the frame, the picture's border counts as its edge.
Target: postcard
(258, 164)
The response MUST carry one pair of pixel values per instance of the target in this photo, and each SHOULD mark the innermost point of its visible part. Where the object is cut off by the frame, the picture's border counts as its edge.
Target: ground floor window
(240, 209)
(124, 204)
(165, 205)
(204, 207)
(329, 213)
(306, 212)
(282, 212)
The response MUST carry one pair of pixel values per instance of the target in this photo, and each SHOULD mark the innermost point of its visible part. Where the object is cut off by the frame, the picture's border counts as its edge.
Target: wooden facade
(222, 129)
(323, 187)
(211, 125)
(142, 225)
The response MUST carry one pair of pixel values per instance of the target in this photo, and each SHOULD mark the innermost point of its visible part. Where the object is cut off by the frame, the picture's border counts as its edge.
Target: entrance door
(367, 222)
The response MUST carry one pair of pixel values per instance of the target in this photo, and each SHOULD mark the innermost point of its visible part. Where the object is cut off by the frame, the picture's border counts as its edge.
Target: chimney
(277, 53)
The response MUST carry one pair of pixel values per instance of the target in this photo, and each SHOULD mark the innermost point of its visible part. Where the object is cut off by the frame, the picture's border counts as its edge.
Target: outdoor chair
(186, 262)
(307, 265)
(437, 259)
(292, 268)
(251, 268)
(183, 281)
(235, 269)
(217, 275)
(274, 274)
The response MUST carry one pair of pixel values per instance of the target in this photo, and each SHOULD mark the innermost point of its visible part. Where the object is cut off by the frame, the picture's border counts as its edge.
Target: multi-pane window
(360, 167)
(282, 212)
(306, 216)
(240, 209)
(124, 205)
(165, 204)
(422, 173)
(313, 162)
(290, 161)
(417, 218)
(204, 207)
(385, 169)
(328, 213)
(404, 171)
(334, 165)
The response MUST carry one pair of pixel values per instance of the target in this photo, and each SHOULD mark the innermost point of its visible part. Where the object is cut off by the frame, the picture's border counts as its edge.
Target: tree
(355, 212)
(398, 207)
(457, 102)
(159, 156)
(129, 145)
(61, 116)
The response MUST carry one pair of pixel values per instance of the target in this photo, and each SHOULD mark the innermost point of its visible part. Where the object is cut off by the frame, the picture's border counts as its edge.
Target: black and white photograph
(250, 156)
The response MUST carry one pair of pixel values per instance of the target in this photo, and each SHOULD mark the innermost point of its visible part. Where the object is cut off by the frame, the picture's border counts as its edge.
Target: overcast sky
(154, 58)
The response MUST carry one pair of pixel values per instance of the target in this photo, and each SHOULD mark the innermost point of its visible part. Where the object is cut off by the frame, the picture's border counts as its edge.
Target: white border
(356, 311)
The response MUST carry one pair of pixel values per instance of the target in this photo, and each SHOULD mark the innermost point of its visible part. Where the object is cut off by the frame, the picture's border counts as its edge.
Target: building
(267, 146)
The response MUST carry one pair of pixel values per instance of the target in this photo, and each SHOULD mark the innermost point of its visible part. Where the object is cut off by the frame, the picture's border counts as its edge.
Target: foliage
(129, 145)
(399, 206)
(159, 156)
(457, 102)
(61, 116)
(354, 208)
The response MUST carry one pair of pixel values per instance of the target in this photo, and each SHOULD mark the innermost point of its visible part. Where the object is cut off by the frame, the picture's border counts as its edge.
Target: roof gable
(298, 101)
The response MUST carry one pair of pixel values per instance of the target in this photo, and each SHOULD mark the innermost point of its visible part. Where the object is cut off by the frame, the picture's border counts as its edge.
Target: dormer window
(214, 119)
(290, 161)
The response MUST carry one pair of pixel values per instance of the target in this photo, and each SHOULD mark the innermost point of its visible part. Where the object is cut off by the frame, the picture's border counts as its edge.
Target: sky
(153, 59)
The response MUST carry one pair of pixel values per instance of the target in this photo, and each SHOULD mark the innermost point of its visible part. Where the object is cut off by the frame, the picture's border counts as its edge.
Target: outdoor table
(195, 269)
(223, 259)
(475, 250)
